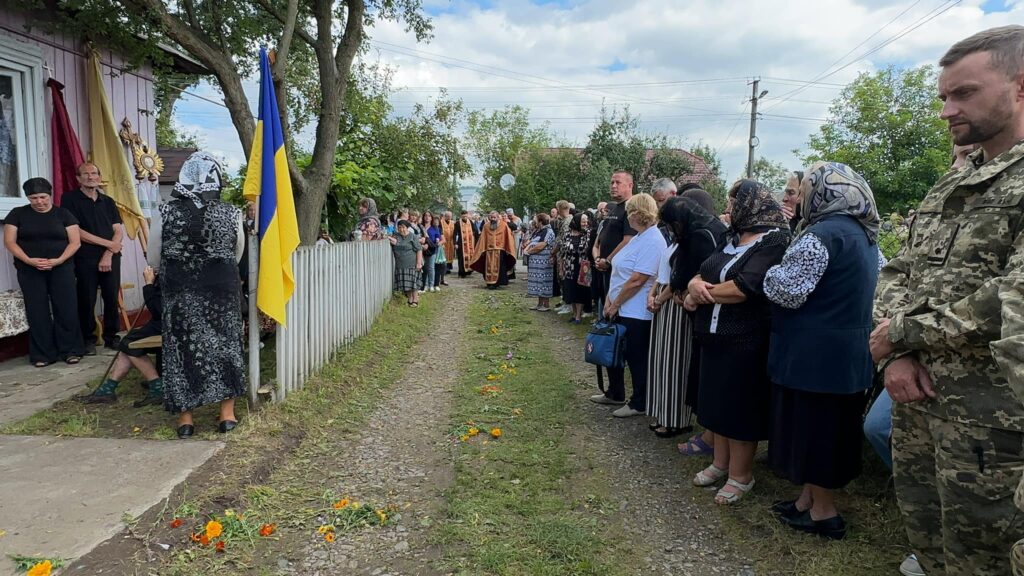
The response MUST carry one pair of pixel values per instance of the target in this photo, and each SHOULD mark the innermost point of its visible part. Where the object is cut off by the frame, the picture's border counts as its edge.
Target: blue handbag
(606, 344)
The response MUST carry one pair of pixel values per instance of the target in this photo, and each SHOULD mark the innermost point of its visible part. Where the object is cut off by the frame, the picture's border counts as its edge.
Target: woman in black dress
(576, 258)
(197, 245)
(43, 238)
(732, 323)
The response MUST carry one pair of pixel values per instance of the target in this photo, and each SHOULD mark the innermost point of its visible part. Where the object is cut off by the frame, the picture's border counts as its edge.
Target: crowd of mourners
(779, 320)
(773, 319)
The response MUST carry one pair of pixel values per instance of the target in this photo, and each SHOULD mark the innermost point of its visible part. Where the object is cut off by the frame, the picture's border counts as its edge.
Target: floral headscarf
(754, 208)
(833, 188)
(199, 179)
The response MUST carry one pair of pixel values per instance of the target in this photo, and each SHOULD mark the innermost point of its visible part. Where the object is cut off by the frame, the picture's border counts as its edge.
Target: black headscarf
(754, 209)
(698, 234)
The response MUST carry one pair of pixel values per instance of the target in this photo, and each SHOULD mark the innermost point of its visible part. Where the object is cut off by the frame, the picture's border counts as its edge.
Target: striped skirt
(668, 366)
(406, 279)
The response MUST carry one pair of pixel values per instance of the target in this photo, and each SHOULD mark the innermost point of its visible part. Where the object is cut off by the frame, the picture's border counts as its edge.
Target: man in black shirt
(98, 261)
(615, 230)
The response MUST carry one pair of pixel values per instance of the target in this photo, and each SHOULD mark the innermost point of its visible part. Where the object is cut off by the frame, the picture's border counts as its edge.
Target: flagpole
(254, 319)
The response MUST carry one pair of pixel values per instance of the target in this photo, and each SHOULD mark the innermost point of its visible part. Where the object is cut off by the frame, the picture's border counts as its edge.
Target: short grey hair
(1006, 43)
(663, 185)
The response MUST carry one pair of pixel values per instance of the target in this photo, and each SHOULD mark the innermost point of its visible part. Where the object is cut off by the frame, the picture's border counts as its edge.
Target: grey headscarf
(199, 179)
(833, 188)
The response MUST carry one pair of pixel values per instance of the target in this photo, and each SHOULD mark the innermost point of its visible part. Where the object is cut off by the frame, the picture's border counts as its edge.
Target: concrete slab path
(61, 497)
(25, 389)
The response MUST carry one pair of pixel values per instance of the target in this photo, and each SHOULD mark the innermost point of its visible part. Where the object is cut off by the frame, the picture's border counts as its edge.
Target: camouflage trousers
(955, 486)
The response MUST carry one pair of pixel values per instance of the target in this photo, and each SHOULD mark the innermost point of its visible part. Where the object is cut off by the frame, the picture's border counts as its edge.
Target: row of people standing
(62, 255)
(746, 377)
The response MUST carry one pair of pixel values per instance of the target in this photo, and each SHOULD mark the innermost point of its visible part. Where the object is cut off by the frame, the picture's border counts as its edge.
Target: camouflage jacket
(953, 293)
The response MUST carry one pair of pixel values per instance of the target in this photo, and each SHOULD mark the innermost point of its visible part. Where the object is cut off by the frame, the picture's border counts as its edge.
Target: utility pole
(753, 141)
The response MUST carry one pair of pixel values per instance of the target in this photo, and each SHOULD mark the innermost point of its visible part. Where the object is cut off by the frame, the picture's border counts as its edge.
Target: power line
(941, 9)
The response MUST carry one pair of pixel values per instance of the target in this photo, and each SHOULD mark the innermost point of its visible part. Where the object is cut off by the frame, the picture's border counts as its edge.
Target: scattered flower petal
(220, 546)
(496, 432)
(267, 529)
(329, 537)
(177, 522)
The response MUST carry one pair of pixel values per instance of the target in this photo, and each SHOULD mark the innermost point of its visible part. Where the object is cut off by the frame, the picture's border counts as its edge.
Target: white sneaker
(602, 399)
(587, 315)
(911, 567)
(422, 291)
(565, 310)
(627, 412)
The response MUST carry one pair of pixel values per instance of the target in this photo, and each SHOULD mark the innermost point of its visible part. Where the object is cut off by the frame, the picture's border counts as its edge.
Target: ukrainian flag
(267, 181)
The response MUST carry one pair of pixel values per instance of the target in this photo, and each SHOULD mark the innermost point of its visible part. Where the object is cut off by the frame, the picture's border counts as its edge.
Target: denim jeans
(878, 427)
(427, 280)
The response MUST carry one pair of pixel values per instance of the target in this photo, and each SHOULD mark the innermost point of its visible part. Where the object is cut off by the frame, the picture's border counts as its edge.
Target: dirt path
(402, 457)
(660, 510)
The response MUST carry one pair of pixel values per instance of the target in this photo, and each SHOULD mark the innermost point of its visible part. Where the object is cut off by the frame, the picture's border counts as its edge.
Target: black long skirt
(735, 391)
(816, 438)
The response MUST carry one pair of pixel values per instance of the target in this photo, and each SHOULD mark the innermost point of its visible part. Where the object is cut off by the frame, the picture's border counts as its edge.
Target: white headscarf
(199, 179)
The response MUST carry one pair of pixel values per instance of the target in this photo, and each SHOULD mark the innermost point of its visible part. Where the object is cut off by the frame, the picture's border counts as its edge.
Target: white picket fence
(339, 291)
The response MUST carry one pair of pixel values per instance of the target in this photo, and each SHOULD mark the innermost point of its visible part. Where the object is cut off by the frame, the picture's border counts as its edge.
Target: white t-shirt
(642, 255)
(665, 264)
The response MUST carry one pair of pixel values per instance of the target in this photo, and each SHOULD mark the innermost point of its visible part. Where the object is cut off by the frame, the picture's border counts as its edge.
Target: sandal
(696, 446)
(709, 476)
(726, 497)
(73, 359)
(42, 364)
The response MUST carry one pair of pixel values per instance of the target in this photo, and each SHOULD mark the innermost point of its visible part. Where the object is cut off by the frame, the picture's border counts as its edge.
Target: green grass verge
(336, 401)
(529, 502)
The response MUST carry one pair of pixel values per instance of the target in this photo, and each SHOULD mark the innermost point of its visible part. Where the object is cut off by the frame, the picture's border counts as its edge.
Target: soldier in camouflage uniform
(951, 322)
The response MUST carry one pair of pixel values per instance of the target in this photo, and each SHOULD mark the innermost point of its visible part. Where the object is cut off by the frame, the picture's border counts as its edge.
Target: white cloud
(519, 52)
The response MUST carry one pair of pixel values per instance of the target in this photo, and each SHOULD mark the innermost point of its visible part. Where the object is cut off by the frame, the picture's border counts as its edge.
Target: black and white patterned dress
(202, 320)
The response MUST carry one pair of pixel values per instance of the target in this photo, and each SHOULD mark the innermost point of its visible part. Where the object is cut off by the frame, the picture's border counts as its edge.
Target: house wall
(130, 92)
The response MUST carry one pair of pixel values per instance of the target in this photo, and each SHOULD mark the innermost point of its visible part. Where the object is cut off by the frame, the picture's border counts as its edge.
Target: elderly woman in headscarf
(732, 322)
(369, 227)
(196, 245)
(819, 361)
(697, 234)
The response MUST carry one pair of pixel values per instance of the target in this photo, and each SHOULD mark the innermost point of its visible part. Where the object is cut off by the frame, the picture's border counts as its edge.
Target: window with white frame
(22, 143)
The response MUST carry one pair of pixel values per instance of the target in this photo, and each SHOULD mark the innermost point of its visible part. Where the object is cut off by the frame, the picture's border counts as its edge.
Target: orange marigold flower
(220, 546)
(43, 568)
(496, 432)
(464, 437)
(341, 504)
(214, 529)
(329, 537)
(204, 540)
(195, 537)
(267, 529)
(177, 522)
(473, 431)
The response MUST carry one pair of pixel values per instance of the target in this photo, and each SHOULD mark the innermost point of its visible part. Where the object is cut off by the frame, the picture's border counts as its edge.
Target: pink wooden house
(28, 58)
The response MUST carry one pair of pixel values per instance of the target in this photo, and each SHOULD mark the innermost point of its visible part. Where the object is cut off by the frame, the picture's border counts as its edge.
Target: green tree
(167, 89)
(498, 141)
(886, 126)
(771, 174)
(315, 41)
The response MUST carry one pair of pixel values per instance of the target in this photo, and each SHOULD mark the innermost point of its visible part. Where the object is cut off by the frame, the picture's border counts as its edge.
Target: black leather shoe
(186, 431)
(833, 528)
(786, 509)
(226, 426)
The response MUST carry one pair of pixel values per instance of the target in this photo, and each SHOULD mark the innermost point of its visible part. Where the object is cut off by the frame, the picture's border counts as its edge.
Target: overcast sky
(683, 67)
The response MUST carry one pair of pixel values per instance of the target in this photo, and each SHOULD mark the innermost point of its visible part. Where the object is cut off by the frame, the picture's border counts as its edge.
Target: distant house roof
(173, 159)
(699, 169)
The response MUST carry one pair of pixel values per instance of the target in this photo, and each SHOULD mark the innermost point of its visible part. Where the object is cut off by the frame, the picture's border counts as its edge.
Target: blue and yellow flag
(267, 181)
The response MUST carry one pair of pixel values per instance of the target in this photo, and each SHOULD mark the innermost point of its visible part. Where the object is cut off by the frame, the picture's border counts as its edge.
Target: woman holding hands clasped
(732, 323)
